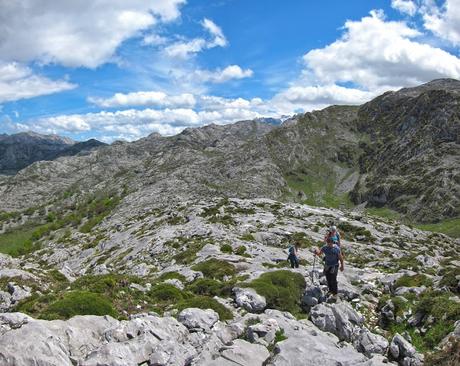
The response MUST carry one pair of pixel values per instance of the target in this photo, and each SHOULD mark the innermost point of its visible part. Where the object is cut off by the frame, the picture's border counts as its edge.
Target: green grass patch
(354, 231)
(216, 269)
(248, 237)
(408, 261)
(241, 250)
(449, 278)
(319, 188)
(302, 239)
(164, 293)
(68, 305)
(172, 276)
(17, 242)
(282, 289)
(189, 248)
(203, 302)
(449, 227)
(383, 212)
(226, 248)
(413, 281)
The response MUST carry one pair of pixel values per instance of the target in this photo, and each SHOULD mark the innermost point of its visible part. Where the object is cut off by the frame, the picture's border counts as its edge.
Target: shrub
(96, 283)
(248, 237)
(171, 276)
(282, 289)
(226, 248)
(356, 231)
(413, 281)
(449, 278)
(203, 302)
(447, 356)
(302, 239)
(165, 293)
(241, 250)
(214, 268)
(206, 286)
(445, 312)
(79, 303)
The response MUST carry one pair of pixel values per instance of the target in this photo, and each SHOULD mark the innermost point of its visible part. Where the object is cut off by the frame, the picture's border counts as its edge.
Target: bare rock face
(22, 149)
(402, 350)
(194, 318)
(249, 299)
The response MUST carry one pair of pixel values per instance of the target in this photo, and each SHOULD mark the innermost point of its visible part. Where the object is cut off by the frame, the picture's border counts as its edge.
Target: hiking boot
(332, 299)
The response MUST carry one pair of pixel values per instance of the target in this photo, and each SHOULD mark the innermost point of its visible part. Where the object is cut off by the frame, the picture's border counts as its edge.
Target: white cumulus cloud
(374, 53)
(75, 33)
(213, 29)
(145, 98)
(405, 6)
(131, 124)
(19, 82)
(222, 75)
(186, 49)
(443, 21)
(307, 98)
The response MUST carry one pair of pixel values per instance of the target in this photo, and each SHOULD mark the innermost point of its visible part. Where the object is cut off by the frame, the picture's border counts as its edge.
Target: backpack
(291, 250)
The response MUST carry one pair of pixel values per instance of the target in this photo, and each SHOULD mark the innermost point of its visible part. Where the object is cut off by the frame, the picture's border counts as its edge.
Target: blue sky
(119, 69)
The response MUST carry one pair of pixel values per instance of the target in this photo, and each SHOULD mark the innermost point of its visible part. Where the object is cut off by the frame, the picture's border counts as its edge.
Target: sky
(122, 69)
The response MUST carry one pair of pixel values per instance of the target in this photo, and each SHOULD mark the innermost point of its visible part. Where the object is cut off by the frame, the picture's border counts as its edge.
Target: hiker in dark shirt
(293, 256)
(333, 256)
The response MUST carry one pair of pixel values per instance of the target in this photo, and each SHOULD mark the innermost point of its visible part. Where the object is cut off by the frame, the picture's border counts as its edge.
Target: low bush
(241, 250)
(172, 276)
(215, 268)
(444, 311)
(248, 237)
(283, 290)
(356, 231)
(413, 281)
(164, 293)
(226, 248)
(79, 303)
(449, 278)
(206, 286)
(203, 302)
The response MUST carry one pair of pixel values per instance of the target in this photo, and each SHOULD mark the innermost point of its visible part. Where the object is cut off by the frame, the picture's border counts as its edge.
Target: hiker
(333, 256)
(293, 255)
(333, 235)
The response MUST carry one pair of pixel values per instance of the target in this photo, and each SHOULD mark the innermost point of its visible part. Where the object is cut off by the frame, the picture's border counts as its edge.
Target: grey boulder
(249, 299)
(194, 318)
(263, 333)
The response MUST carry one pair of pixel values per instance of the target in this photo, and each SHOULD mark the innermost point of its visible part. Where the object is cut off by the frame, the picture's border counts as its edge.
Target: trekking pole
(313, 270)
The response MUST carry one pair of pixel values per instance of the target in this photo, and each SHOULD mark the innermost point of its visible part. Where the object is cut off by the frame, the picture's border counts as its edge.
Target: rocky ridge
(20, 150)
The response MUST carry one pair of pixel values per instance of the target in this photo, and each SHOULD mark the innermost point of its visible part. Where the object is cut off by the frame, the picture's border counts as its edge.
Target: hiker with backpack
(332, 257)
(332, 234)
(293, 256)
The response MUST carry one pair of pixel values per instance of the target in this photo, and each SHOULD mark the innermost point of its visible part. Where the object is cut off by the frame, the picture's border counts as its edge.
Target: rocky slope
(22, 149)
(412, 164)
(166, 261)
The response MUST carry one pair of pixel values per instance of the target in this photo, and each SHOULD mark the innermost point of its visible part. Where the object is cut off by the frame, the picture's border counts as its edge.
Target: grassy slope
(450, 227)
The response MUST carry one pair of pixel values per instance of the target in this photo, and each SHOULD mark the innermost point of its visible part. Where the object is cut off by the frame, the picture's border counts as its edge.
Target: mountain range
(399, 151)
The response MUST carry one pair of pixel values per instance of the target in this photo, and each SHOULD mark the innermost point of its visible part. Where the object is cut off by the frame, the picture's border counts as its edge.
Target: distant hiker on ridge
(333, 256)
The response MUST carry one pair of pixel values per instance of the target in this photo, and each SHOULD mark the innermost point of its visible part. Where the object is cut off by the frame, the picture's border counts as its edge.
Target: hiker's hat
(333, 228)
